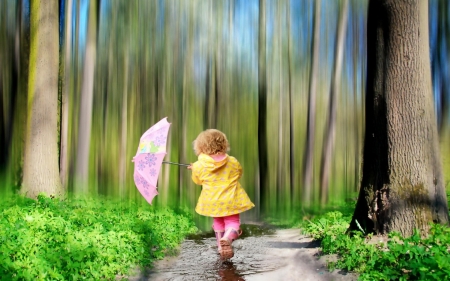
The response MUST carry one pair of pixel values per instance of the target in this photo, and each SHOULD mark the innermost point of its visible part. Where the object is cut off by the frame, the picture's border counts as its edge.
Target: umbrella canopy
(149, 157)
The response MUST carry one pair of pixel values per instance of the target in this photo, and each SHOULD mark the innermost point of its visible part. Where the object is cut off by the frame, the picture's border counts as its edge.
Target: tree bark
(402, 186)
(41, 171)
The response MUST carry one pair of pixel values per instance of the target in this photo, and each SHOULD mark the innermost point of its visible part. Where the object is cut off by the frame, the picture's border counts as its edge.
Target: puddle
(199, 260)
(261, 254)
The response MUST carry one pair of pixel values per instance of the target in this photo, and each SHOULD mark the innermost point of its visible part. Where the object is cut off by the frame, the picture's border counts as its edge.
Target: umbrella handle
(173, 163)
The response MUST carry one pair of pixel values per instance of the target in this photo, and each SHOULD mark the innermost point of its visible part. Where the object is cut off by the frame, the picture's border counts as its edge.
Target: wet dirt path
(261, 254)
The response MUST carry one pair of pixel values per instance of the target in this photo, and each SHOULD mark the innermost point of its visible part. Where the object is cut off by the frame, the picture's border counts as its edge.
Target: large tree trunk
(41, 171)
(402, 186)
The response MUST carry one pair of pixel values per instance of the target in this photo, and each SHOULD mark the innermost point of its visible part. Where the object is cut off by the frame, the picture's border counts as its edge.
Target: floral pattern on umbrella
(149, 157)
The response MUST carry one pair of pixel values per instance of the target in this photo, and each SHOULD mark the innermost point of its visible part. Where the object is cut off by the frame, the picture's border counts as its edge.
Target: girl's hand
(189, 167)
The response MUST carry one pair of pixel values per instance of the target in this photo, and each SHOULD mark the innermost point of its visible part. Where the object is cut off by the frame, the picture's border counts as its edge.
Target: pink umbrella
(149, 157)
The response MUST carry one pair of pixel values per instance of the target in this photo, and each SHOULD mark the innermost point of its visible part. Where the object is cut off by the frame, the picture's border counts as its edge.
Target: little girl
(222, 196)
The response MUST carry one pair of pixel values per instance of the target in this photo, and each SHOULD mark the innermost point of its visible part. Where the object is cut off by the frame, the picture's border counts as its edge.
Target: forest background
(124, 65)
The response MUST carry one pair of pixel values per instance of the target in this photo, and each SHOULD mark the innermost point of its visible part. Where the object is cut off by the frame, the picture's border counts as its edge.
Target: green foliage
(411, 258)
(302, 217)
(84, 238)
(327, 225)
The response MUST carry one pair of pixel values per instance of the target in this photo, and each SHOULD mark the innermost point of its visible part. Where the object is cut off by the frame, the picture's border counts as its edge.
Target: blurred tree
(123, 160)
(63, 158)
(13, 87)
(217, 46)
(359, 106)
(212, 69)
(311, 125)
(187, 86)
(262, 106)
(4, 121)
(41, 171)
(402, 186)
(280, 186)
(87, 92)
(290, 103)
(9, 78)
(330, 127)
(206, 119)
(439, 54)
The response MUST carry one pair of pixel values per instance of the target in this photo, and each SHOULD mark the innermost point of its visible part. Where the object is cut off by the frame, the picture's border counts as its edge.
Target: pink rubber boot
(219, 235)
(230, 235)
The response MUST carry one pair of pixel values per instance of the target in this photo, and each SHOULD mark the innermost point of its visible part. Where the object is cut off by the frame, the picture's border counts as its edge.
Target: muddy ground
(261, 254)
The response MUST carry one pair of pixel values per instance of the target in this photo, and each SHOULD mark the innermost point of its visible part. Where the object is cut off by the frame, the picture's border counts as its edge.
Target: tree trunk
(291, 107)
(206, 119)
(9, 79)
(330, 129)
(308, 162)
(402, 186)
(17, 99)
(440, 73)
(262, 105)
(356, 109)
(217, 84)
(280, 200)
(65, 97)
(124, 126)
(41, 171)
(87, 92)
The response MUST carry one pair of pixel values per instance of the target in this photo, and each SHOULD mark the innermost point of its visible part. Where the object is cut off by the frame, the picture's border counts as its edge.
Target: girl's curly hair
(211, 142)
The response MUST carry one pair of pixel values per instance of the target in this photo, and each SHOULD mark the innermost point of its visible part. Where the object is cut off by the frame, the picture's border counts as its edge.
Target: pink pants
(223, 223)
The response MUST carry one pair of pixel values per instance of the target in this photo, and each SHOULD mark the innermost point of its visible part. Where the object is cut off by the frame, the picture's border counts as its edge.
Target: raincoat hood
(210, 164)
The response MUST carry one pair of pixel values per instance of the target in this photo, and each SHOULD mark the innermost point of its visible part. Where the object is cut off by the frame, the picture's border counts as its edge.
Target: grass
(84, 238)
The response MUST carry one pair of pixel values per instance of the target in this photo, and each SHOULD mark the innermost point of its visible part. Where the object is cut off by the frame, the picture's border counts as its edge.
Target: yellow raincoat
(222, 194)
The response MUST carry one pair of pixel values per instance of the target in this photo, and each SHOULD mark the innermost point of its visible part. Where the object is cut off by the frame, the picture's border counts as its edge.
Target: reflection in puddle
(227, 272)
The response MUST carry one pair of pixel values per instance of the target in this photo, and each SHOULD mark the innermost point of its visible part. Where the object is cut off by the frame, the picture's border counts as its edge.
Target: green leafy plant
(327, 225)
(84, 238)
(411, 258)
